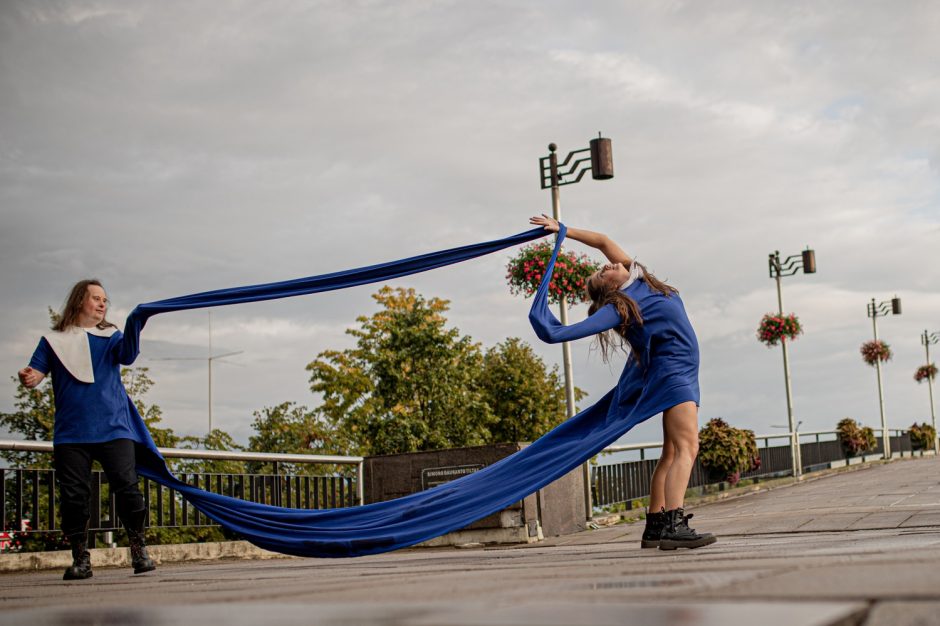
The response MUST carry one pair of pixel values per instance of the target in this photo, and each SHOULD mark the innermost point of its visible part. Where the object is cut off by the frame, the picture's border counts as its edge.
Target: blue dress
(666, 371)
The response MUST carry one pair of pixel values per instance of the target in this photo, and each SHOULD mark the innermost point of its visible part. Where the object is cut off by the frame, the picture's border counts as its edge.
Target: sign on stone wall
(434, 476)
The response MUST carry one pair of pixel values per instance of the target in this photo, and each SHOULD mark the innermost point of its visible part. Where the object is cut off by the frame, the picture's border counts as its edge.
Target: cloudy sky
(174, 147)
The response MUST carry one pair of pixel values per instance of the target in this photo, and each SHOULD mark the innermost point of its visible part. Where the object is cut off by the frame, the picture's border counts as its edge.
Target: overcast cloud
(173, 147)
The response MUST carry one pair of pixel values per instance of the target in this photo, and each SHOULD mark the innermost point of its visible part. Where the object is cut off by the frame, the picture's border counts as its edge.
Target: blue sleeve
(42, 357)
(544, 322)
(127, 346)
(550, 330)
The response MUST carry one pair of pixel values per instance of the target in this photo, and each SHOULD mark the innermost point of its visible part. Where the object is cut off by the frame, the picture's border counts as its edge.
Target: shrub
(855, 438)
(922, 437)
(725, 452)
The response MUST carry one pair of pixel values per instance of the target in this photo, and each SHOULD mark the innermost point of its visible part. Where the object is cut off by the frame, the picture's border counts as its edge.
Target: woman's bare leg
(658, 481)
(680, 424)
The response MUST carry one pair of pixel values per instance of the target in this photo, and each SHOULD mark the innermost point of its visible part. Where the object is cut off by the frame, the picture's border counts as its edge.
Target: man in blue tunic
(632, 309)
(94, 420)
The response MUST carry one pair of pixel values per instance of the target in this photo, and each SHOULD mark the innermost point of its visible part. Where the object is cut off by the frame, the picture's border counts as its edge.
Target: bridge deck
(852, 547)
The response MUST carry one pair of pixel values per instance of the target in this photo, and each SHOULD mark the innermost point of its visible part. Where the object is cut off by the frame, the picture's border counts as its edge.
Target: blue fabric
(91, 412)
(385, 526)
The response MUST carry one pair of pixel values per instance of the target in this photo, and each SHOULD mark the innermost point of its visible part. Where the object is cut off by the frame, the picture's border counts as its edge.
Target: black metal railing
(617, 483)
(29, 501)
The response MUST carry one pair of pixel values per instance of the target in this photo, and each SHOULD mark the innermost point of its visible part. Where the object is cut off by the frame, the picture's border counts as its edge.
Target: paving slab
(854, 547)
(907, 613)
(462, 614)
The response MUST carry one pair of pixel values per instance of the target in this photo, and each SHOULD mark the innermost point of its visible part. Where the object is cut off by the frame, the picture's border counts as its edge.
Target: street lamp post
(928, 339)
(778, 269)
(876, 310)
(599, 159)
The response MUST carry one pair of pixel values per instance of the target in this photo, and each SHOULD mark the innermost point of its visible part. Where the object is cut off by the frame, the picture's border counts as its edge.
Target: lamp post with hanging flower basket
(598, 158)
(928, 372)
(779, 328)
(875, 352)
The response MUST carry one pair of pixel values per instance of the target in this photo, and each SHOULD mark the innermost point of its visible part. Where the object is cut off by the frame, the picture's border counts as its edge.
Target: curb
(120, 557)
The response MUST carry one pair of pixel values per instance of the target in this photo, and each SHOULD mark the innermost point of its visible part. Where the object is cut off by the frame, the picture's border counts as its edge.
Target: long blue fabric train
(385, 526)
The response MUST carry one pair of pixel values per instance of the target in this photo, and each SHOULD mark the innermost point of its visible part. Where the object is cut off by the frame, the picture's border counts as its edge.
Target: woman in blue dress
(94, 420)
(631, 309)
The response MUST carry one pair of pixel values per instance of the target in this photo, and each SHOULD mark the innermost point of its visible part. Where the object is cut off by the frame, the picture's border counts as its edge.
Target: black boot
(134, 525)
(80, 568)
(677, 534)
(653, 530)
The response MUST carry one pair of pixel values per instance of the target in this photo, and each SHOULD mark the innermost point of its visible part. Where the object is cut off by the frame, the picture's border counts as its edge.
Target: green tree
(216, 440)
(528, 399)
(409, 384)
(33, 419)
(289, 428)
(137, 382)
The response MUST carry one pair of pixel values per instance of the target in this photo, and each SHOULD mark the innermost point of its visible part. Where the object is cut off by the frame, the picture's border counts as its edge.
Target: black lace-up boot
(677, 534)
(654, 529)
(80, 568)
(134, 525)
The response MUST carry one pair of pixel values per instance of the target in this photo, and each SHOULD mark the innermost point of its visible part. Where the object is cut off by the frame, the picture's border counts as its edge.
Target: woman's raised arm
(607, 246)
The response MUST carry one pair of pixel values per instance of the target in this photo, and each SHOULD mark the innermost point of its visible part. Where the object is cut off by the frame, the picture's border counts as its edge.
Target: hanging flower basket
(524, 273)
(874, 351)
(775, 328)
(924, 372)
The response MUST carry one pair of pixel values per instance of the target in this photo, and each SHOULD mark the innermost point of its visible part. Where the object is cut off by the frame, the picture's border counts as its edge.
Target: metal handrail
(786, 435)
(220, 455)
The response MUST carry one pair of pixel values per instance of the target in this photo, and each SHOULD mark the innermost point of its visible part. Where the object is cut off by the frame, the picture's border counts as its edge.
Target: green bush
(922, 437)
(855, 438)
(725, 452)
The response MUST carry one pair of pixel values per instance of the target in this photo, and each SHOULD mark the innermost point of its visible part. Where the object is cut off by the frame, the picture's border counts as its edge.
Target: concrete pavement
(860, 546)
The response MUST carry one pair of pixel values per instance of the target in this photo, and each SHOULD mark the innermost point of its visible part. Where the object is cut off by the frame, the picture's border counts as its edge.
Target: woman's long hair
(73, 306)
(602, 294)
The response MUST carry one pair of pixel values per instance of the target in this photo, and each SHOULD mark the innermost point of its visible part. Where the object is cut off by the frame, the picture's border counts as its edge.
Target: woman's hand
(549, 224)
(30, 377)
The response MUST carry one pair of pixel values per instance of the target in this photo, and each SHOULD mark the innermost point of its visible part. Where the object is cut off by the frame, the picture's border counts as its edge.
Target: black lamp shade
(602, 159)
(809, 261)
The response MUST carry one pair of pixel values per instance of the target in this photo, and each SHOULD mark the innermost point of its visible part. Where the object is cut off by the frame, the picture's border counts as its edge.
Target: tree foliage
(33, 418)
(411, 383)
(290, 428)
(528, 399)
(215, 440)
(137, 382)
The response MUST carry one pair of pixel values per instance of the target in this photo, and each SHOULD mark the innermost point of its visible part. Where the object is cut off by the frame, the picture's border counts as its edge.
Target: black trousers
(73, 473)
